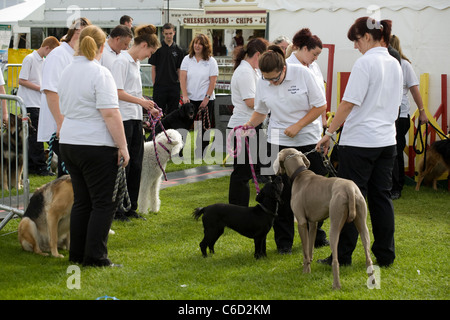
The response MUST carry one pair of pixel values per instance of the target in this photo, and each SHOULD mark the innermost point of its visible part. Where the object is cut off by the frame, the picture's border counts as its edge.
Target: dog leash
(203, 114)
(236, 152)
(120, 188)
(154, 121)
(50, 155)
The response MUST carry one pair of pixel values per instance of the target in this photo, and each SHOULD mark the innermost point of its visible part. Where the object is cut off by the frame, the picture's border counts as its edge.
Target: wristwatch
(207, 96)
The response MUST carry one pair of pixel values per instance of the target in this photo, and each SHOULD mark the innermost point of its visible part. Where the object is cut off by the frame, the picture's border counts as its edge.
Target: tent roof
(351, 5)
(12, 14)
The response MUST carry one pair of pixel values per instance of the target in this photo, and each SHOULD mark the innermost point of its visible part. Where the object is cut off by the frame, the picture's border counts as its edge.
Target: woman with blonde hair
(127, 74)
(92, 142)
(198, 76)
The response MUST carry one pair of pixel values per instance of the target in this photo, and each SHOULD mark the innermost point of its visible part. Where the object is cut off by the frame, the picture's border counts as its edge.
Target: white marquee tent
(422, 26)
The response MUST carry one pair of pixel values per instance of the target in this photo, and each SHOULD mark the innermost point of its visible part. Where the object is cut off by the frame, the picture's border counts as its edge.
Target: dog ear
(306, 161)
(278, 167)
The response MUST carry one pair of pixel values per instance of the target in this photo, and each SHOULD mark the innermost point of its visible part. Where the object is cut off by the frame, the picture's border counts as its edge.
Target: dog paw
(58, 255)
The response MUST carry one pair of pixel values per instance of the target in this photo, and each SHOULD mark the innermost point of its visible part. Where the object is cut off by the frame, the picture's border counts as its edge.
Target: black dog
(251, 222)
(181, 118)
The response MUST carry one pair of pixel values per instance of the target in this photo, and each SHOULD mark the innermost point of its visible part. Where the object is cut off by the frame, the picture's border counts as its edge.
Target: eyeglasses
(273, 79)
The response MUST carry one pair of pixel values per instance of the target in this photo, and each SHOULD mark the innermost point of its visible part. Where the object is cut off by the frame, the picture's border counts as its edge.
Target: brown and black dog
(437, 163)
(12, 152)
(45, 225)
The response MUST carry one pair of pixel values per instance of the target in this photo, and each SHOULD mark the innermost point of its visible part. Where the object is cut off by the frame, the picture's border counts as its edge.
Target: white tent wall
(422, 29)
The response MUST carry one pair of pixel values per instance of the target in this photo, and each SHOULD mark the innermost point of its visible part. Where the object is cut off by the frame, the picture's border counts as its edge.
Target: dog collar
(165, 148)
(297, 172)
(268, 211)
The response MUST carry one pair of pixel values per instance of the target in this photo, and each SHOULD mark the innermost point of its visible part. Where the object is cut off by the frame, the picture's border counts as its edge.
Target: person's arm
(415, 92)
(146, 104)
(255, 120)
(250, 103)
(4, 106)
(209, 92)
(53, 105)
(342, 113)
(153, 74)
(28, 84)
(183, 85)
(312, 115)
(113, 121)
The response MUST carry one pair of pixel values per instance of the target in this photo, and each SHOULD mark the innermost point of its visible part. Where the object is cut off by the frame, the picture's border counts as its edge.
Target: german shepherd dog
(45, 225)
(437, 163)
(12, 153)
(251, 222)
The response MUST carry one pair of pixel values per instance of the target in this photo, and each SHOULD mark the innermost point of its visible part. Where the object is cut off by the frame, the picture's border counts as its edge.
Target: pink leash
(154, 122)
(236, 152)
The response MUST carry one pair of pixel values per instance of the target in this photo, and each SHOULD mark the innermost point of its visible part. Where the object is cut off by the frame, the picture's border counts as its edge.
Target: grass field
(162, 259)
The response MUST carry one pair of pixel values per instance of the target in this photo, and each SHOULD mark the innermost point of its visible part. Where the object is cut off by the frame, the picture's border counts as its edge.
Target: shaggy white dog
(148, 200)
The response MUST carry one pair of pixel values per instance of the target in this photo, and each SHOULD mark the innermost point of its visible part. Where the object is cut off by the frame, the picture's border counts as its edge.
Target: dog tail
(197, 213)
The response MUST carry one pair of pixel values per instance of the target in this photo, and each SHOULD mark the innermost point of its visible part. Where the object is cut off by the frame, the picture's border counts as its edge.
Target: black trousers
(36, 155)
(239, 189)
(93, 170)
(167, 97)
(398, 174)
(371, 170)
(283, 225)
(135, 143)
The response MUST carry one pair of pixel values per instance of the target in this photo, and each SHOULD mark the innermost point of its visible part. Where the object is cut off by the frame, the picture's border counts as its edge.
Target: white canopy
(421, 25)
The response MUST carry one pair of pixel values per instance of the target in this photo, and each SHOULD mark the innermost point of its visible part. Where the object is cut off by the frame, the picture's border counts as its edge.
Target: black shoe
(135, 215)
(120, 216)
(328, 261)
(284, 250)
(45, 173)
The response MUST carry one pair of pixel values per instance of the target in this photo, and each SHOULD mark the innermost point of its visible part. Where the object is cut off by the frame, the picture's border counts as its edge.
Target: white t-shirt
(54, 65)
(243, 86)
(198, 74)
(409, 80)
(85, 87)
(32, 71)
(127, 75)
(109, 56)
(375, 88)
(289, 102)
(314, 67)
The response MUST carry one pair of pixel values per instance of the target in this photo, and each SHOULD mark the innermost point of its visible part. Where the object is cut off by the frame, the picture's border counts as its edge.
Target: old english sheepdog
(166, 146)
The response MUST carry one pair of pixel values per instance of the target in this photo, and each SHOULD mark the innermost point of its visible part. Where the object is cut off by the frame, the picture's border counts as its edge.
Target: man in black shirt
(166, 62)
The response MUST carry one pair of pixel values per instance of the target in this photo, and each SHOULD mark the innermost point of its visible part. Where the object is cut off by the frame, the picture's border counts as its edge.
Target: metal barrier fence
(15, 185)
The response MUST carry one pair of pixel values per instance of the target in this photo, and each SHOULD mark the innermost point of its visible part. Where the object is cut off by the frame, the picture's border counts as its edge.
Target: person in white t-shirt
(306, 49)
(367, 146)
(198, 76)
(127, 75)
(119, 40)
(243, 89)
(410, 83)
(50, 117)
(30, 79)
(295, 101)
(92, 142)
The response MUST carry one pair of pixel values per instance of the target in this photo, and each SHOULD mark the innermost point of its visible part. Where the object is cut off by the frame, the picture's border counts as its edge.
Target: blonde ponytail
(91, 40)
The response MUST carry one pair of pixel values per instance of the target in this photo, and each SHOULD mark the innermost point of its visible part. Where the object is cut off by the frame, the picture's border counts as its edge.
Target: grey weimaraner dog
(314, 198)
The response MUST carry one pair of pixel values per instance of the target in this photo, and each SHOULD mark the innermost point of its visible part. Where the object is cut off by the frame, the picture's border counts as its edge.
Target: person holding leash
(50, 117)
(295, 101)
(127, 75)
(367, 147)
(92, 142)
(243, 89)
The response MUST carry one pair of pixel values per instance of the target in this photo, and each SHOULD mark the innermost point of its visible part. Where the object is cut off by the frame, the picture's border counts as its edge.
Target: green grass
(162, 259)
